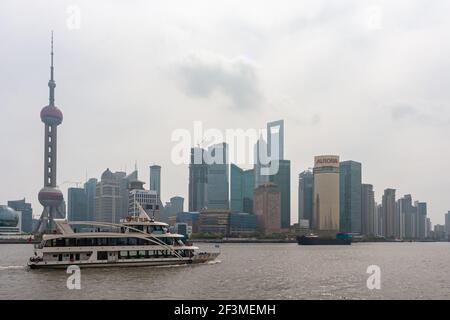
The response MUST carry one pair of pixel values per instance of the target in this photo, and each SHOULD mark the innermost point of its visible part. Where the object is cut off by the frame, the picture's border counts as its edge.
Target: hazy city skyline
(365, 80)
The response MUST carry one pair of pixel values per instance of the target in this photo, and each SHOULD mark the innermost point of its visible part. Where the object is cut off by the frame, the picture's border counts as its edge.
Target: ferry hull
(195, 260)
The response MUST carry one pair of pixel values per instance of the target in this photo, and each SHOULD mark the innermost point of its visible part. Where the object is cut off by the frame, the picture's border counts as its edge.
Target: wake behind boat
(136, 241)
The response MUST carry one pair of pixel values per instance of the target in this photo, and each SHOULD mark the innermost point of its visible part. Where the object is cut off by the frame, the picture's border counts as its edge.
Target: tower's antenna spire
(51, 83)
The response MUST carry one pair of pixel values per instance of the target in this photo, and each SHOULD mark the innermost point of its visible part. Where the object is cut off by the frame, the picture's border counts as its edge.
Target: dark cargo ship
(311, 240)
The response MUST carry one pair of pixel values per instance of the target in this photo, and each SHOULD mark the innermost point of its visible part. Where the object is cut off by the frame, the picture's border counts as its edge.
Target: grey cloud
(400, 112)
(202, 75)
(432, 115)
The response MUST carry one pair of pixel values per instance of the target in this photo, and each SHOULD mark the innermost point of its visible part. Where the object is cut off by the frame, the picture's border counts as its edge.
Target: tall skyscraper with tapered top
(50, 196)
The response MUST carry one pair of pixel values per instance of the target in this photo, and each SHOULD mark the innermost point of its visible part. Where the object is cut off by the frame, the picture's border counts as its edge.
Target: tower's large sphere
(50, 197)
(8, 217)
(51, 115)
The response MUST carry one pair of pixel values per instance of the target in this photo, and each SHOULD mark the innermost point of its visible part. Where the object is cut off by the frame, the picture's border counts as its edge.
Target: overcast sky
(367, 80)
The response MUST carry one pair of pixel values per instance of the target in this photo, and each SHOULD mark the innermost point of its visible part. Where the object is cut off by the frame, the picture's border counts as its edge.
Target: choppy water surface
(249, 271)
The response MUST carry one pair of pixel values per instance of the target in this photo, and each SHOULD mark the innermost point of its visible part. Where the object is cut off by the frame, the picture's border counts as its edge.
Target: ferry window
(102, 241)
(132, 241)
(71, 242)
(142, 242)
(77, 256)
(81, 242)
(123, 254)
(121, 241)
(132, 254)
(59, 257)
(142, 254)
(60, 242)
(112, 241)
(102, 255)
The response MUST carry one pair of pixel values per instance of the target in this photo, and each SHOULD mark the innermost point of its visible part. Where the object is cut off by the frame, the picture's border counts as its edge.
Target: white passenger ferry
(136, 241)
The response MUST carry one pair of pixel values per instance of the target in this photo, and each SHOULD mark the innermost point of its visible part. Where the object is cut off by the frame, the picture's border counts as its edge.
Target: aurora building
(326, 194)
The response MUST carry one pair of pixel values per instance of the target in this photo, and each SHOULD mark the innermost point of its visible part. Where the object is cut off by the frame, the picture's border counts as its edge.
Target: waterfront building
(138, 197)
(275, 140)
(447, 223)
(236, 188)
(389, 213)
(77, 204)
(326, 194)
(421, 220)
(26, 213)
(174, 206)
(247, 190)
(261, 164)
(439, 233)
(214, 221)
(305, 196)
(155, 179)
(10, 221)
(217, 181)
(407, 213)
(429, 229)
(267, 207)
(241, 189)
(368, 210)
(350, 197)
(89, 188)
(242, 224)
(198, 179)
(191, 218)
(108, 199)
(183, 229)
(380, 221)
(283, 180)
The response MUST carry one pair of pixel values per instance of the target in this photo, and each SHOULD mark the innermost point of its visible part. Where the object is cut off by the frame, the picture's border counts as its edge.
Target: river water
(249, 271)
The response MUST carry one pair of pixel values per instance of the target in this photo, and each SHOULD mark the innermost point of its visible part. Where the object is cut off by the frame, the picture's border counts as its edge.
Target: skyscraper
(241, 189)
(326, 194)
(198, 179)
(275, 140)
(248, 188)
(421, 220)
(305, 196)
(236, 188)
(283, 180)
(50, 196)
(139, 198)
(368, 210)
(108, 204)
(267, 207)
(406, 218)
(218, 171)
(155, 179)
(447, 223)
(350, 196)
(389, 212)
(261, 162)
(77, 204)
(89, 189)
(27, 213)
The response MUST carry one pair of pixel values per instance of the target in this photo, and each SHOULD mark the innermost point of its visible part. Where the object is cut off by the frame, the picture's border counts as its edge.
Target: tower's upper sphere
(51, 115)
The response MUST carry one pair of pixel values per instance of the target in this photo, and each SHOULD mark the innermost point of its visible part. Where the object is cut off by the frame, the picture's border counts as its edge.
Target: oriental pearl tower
(50, 196)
